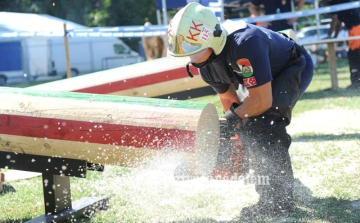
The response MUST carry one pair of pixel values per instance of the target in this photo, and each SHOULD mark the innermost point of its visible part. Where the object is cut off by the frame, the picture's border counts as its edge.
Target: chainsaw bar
(232, 162)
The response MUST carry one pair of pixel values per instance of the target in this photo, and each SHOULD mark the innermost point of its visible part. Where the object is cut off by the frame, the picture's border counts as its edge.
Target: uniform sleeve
(218, 87)
(253, 61)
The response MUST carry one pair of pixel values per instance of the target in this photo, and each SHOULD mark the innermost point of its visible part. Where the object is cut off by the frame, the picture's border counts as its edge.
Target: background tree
(90, 12)
(129, 12)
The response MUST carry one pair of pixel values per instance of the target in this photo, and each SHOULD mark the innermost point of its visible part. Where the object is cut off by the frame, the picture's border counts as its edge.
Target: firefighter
(274, 70)
(351, 19)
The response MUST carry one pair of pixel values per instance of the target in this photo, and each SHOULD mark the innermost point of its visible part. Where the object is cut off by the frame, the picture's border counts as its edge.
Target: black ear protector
(188, 70)
(217, 31)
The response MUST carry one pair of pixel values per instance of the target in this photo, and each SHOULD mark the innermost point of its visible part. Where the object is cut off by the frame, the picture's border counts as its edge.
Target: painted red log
(107, 129)
(156, 78)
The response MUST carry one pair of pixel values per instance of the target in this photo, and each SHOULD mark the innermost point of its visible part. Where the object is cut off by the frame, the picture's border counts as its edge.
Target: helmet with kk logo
(193, 29)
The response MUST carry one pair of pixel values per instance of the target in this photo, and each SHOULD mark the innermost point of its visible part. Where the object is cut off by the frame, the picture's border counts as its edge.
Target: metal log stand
(56, 173)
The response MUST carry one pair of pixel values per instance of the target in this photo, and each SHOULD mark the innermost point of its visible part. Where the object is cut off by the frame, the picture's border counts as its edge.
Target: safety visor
(183, 60)
(179, 46)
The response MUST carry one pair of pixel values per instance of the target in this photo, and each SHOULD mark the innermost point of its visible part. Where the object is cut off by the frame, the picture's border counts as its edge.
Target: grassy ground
(325, 153)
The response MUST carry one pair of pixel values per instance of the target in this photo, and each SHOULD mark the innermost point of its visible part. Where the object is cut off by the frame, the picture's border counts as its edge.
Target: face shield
(180, 51)
(184, 60)
(190, 59)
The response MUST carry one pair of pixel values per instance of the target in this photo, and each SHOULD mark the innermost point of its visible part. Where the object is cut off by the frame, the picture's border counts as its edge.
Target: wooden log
(107, 129)
(67, 53)
(156, 78)
(333, 66)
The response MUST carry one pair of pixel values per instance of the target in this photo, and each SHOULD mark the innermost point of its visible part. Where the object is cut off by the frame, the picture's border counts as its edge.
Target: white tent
(10, 21)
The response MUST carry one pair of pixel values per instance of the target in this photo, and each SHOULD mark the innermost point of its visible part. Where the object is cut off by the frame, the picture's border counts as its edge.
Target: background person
(270, 66)
(351, 19)
(154, 46)
(274, 7)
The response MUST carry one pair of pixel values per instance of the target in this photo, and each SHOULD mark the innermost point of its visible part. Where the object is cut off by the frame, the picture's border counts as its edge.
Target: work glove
(232, 118)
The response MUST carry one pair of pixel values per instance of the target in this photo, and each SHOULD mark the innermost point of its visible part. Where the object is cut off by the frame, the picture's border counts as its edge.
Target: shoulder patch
(245, 67)
(249, 82)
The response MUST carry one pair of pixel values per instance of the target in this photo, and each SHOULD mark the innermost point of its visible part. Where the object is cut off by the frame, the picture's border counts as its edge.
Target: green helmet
(193, 29)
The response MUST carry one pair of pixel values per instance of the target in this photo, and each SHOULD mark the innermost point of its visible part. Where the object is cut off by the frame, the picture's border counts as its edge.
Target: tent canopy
(28, 22)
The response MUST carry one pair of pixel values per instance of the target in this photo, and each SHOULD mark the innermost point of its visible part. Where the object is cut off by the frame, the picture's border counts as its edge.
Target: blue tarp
(173, 4)
(10, 54)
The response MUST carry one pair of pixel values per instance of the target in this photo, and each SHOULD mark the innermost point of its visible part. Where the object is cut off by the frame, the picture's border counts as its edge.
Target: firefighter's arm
(335, 26)
(229, 97)
(254, 10)
(258, 101)
(300, 5)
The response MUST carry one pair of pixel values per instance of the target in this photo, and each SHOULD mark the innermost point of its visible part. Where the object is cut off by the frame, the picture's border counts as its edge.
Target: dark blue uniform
(274, 7)
(274, 52)
(254, 56)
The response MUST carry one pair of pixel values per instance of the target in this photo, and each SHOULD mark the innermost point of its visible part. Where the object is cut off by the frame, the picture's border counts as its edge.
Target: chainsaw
(232, 160)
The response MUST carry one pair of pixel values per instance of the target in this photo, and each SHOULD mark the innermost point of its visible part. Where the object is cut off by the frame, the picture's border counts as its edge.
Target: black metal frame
(56, 173)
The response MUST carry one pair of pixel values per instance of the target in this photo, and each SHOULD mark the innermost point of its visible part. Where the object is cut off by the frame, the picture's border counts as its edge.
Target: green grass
(325, 162)
(319, 95)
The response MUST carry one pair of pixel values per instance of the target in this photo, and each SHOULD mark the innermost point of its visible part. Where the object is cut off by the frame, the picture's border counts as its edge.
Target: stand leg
(85, 207)
(57, 194)
(56, 185)
(2, 179)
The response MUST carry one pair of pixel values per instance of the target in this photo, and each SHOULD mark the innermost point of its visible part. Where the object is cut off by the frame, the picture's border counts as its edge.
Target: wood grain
(108, 129)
